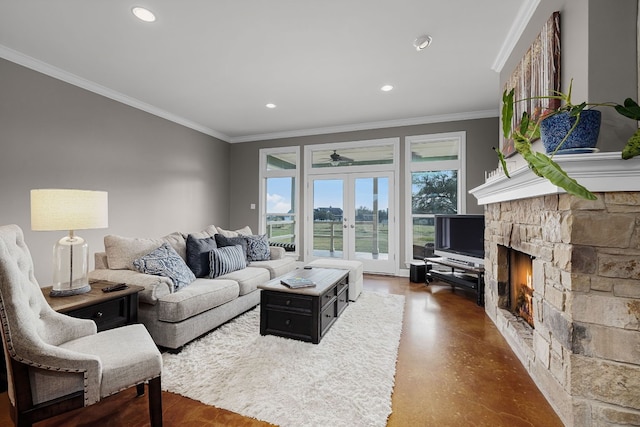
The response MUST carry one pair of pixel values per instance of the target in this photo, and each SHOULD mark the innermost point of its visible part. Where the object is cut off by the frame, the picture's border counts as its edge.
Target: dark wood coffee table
(304, 314)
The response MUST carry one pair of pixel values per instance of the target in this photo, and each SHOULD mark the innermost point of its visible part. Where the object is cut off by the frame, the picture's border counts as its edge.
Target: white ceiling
(213, 64)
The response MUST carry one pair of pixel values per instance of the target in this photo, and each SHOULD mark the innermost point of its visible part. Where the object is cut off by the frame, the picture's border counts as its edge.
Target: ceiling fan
(337, 159)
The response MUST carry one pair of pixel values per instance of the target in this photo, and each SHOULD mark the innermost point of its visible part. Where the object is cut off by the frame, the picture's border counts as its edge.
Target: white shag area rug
(346, 380)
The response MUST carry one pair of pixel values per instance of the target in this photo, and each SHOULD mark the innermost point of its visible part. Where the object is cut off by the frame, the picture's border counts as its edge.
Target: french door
(352, 218)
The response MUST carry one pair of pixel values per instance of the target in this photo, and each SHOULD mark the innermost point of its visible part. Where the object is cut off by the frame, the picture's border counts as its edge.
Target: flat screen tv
(460, 238)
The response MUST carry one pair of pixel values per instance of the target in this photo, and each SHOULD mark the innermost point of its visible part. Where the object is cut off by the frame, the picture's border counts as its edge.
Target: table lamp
(62, 209)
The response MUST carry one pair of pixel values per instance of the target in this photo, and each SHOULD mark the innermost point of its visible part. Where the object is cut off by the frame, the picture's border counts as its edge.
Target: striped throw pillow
(225, 260)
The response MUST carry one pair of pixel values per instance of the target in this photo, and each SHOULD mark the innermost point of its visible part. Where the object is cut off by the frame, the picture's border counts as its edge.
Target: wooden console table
(463, 275)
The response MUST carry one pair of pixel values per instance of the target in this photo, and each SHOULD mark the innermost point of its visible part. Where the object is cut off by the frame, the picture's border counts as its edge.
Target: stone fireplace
(583, 347)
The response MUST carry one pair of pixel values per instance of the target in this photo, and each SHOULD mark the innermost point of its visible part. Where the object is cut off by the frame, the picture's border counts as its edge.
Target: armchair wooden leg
(155, 402)
(140, 389)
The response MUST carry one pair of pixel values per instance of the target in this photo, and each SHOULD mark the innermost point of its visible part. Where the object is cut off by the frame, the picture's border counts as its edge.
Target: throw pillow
(165, 261)
(222, 241)
(257, 248)
(225, 260)
(228, 233)
(198, 254)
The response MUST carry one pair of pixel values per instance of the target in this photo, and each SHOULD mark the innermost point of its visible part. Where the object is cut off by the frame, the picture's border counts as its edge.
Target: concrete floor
(453, 369)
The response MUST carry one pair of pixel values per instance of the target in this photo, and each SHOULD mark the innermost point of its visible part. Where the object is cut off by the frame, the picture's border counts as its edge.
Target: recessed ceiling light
(270, 105)
(386, 88)
(143, 14)
(422, 42)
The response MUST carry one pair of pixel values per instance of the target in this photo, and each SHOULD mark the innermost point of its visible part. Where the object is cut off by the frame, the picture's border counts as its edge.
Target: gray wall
(598, 50)
(482, 134)
(161, 177)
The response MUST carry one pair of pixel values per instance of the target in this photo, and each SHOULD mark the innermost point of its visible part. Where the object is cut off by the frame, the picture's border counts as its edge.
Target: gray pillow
(198, 254)
(225, 260)
(257, 248)
(166, 262)
(222, 241)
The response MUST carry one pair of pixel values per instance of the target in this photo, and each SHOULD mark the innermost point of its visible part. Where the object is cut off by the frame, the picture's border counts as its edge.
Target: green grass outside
(364, 236)
(422, 234)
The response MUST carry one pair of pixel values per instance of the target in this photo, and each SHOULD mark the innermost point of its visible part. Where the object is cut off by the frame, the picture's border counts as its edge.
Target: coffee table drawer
(288, 301)
(343, 301)
(289, 324)
(328, 298)
(327, 317)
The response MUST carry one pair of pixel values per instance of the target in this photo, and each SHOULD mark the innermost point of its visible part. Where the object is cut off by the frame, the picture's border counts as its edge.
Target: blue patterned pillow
(257, 248)
(198, 254)
(166, 262)
(225, 260)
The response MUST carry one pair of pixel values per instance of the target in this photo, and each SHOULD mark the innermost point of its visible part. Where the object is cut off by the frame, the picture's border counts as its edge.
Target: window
(279, 177)
(435, 175)
(370, 154)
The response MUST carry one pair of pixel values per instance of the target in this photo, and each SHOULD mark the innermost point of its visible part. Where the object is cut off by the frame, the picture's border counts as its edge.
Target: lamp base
(71, 266)
(70, 291)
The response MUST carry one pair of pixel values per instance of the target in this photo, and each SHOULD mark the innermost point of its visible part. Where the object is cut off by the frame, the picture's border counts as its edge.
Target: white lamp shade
(62, 209)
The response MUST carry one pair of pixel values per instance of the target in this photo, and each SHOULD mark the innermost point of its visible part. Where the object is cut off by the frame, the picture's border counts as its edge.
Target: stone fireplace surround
(584, 353)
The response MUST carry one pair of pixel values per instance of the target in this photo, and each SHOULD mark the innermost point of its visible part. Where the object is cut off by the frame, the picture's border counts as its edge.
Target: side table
(108, 309)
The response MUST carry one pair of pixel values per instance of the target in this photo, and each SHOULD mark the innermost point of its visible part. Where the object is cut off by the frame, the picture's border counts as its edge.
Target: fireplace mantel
(598, 172)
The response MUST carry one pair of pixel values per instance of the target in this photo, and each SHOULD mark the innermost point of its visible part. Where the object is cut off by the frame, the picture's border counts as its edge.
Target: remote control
(116, 287)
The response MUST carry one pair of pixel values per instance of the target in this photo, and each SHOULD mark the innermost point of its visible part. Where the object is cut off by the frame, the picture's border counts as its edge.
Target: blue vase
(553, 129)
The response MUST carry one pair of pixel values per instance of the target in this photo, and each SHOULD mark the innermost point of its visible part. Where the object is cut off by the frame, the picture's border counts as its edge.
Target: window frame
(437, 165)
(280, 173)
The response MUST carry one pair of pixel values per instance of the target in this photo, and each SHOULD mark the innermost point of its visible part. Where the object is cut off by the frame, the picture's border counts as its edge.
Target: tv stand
(461, 274)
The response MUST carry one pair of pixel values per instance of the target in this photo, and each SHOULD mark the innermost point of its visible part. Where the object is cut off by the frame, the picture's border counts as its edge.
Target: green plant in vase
(568, 121)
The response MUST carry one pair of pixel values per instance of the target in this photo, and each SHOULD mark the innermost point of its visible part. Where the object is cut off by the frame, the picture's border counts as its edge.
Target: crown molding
(483, 114)
(517, 28)
(57, 73)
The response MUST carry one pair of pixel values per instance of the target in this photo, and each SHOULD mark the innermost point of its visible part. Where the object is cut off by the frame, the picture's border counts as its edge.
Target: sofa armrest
(100, 260)
(154, 286)
(276, 252)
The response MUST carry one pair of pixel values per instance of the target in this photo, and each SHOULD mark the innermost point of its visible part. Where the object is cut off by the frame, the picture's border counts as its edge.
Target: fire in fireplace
(520, 285)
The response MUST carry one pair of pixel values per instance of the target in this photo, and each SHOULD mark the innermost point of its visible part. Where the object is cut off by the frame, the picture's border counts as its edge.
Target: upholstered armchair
(56, 363)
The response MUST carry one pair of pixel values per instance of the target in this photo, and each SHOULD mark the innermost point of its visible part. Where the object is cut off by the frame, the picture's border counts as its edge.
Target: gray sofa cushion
(122, 251)
(236, 233)
(248, 278)
(276, 267)
(209, 231)
(200, 296)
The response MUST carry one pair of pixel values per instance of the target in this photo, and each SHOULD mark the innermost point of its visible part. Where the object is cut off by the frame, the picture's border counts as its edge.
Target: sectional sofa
(192, 282)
